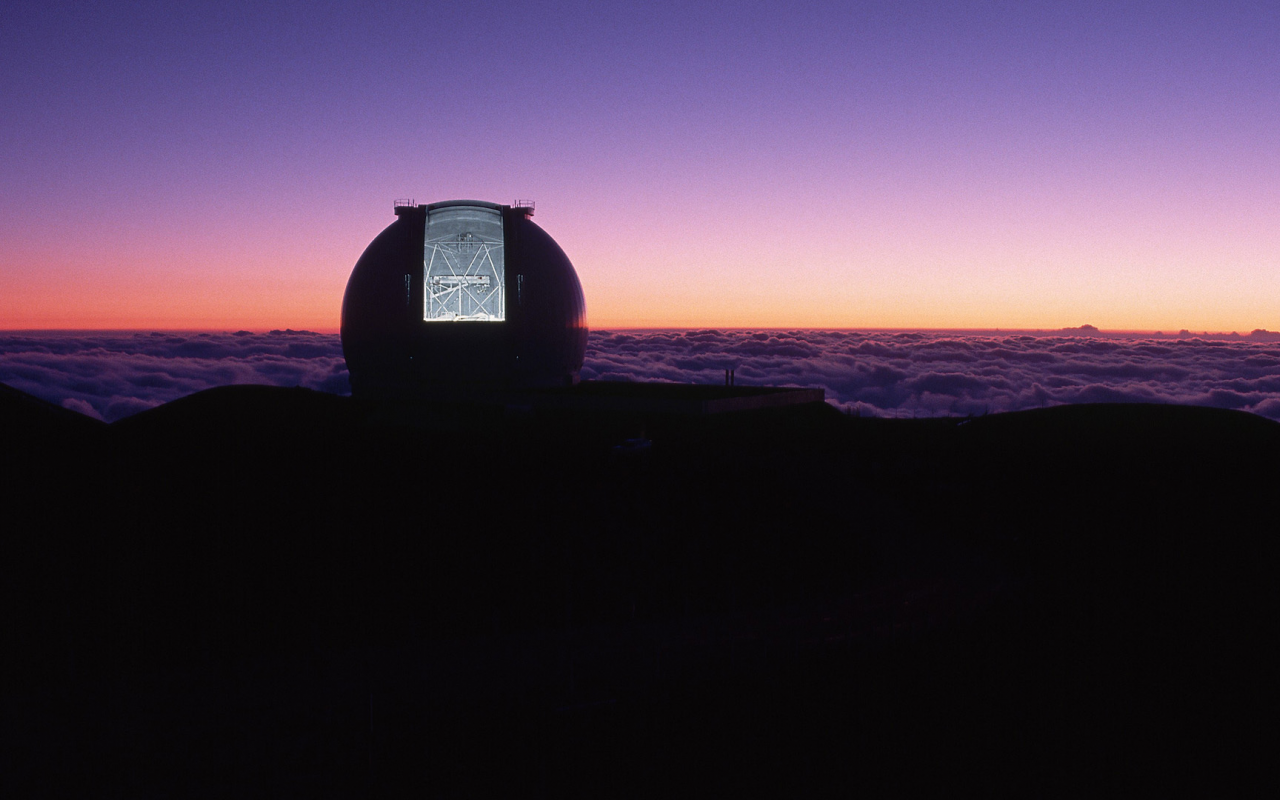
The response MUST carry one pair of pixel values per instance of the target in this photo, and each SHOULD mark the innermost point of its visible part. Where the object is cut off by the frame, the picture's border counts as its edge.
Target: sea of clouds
(926, 373)
(113, 375)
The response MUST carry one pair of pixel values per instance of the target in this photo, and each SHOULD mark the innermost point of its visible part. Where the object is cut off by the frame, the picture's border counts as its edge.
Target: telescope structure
(462, 295)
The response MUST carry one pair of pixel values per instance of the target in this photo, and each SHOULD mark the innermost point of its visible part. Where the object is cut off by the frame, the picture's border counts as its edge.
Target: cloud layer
(878, 373)
(934, 373)
(113, 375)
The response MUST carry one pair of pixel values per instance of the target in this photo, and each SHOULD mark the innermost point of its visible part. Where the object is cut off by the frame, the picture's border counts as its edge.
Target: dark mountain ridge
(262, 589)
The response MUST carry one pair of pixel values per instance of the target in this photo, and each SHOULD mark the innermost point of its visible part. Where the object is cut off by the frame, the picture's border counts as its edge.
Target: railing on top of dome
(525, 204)
(407, 203)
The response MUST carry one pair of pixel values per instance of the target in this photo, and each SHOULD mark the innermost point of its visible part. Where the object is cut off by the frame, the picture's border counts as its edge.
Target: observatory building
(462, 294)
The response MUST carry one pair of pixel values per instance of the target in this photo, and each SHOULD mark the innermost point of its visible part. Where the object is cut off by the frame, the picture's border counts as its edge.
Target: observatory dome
(462, 293)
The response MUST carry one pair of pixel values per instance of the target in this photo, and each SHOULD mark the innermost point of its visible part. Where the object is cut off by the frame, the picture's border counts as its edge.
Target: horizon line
(1081, 329)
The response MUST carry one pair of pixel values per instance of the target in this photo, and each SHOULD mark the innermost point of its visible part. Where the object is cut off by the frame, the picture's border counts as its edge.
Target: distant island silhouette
(258, 586)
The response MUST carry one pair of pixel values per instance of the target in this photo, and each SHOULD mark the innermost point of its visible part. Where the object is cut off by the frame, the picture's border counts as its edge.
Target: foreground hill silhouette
(263, 591)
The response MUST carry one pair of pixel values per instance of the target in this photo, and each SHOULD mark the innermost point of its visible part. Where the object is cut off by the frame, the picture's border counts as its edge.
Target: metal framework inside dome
(464, 265)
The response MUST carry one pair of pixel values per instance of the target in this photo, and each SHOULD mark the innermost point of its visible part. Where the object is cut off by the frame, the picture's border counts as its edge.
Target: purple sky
(222, 165)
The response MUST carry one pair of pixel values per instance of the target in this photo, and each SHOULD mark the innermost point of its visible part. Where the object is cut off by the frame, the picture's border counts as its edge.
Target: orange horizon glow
(738, 288)
(256, 305)
(162, 324)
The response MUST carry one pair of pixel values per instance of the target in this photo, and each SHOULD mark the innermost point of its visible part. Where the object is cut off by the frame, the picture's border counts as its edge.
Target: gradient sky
(956, 165)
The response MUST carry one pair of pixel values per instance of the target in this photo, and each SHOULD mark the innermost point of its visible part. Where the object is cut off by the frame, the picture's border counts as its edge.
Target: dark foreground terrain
(260, 592)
